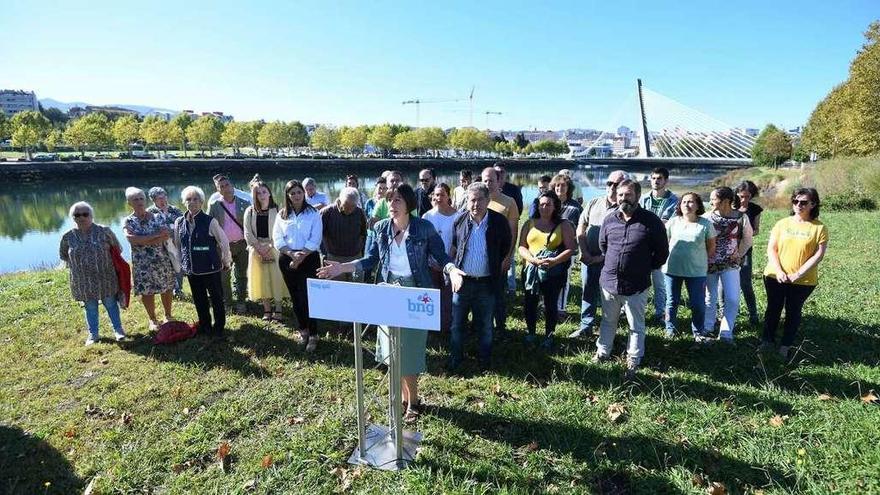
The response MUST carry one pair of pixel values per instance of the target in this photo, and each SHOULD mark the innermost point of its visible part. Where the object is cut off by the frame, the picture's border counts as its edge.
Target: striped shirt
(476, 256)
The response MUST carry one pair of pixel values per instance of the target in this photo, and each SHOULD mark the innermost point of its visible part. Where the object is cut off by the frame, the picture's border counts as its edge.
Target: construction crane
(471, 103)
(488, 113)
(418, 102)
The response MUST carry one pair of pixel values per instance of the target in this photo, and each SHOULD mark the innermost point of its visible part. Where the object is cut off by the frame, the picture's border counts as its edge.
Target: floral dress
(152, 271)
(167, 217)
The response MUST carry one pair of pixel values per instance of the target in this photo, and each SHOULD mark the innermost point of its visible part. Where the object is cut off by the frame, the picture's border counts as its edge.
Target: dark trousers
(445, 300)
(500, 311)
(789, 296)
(549, 290)
(207, 294)
(745, 284)
(296, 285)
(477, 296)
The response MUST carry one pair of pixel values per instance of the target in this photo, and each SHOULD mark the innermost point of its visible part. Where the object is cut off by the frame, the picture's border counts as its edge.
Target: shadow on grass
(242, 350)
(30, 465)
(634, 453)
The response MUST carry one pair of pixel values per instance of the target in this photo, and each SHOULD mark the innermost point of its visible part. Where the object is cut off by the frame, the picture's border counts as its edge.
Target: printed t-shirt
(796, 242)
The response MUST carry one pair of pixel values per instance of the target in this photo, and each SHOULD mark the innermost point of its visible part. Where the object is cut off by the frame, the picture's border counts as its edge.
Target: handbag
(557, 269)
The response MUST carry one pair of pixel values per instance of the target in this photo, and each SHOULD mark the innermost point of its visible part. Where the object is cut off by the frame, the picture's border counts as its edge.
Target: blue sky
(546, 65)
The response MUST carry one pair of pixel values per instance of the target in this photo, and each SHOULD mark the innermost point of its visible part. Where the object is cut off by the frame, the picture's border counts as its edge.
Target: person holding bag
(86, 250)
(265, 282)
(547, 242)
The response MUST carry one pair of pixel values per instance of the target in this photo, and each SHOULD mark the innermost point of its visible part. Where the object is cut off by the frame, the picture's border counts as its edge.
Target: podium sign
(383, 304)
(389, 308)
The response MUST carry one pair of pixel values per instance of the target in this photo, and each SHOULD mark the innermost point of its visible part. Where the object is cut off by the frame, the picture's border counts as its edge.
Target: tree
(470, 139)
(126, 130)
(296, 135)
(406, 141)
(28, 129)
(520, 141)
(55, 116)
(205, 133)
(236, 135)
(353, 139)
(847, 120)
(177, 132)
(155, 131)
(5, 130)
(273, 135)
(53, 139)
(90, 131)
(252, 134)
(772, 148)
(431, 138)
(324, 139)
(382, 137)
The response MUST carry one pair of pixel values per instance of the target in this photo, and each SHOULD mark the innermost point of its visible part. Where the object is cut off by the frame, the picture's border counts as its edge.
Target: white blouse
(399, 262)
(298, 232)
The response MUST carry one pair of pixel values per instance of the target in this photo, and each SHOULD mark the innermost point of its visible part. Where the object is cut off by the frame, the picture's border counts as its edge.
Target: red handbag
(123, 275)
(174, 331)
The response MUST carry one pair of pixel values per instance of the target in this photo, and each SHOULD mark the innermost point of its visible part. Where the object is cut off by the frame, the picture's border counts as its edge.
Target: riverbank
(37, 172)
(136, 417)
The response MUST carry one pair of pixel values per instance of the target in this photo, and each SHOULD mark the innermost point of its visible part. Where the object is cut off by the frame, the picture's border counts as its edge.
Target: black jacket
(498, 239)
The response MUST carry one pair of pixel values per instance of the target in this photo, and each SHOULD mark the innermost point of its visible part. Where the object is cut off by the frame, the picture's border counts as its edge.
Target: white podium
(388, 307)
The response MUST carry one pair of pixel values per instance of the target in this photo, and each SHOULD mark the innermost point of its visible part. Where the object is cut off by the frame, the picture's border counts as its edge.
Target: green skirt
(412, 341)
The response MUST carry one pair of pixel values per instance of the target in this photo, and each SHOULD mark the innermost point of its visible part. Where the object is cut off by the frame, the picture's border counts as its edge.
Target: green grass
(141, 418)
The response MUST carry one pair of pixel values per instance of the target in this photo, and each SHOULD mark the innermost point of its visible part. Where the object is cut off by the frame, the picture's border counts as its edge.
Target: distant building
(619, 143)
(14, 101)
(217, 115)
(110, 112)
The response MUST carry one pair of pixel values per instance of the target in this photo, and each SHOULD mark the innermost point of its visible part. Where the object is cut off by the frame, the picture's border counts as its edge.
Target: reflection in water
(33, 216)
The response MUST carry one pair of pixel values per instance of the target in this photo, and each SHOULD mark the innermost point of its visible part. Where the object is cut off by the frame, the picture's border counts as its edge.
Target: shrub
(848, 201)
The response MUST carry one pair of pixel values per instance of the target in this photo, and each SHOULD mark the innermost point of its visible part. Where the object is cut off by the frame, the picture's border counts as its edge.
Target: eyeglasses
(800, 202)
(81, 214)
(424, 180)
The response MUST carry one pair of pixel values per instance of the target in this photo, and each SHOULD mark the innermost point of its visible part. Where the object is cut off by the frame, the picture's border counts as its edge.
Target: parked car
(142, 155)
(101, 156)
(170, 155)
(45, 157)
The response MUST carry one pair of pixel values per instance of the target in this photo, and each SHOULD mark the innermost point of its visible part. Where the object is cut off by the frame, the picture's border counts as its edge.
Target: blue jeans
(696, 287)
(658, 282)
(477, 296)
(590, 299)
(112, 306)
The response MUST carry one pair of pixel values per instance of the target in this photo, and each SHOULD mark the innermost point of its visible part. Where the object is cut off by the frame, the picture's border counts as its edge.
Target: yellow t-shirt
(537, 240)
(796, 242)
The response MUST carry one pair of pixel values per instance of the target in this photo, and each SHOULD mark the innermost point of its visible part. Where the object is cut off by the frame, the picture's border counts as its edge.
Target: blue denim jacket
(423, 242)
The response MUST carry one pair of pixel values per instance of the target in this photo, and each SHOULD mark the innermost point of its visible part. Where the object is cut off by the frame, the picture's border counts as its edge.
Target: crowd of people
(462, 240)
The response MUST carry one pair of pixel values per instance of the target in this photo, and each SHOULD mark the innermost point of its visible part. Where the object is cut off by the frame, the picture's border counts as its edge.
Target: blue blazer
(423, 242)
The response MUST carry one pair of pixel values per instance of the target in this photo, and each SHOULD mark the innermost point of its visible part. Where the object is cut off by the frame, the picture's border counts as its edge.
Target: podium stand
(387, 447)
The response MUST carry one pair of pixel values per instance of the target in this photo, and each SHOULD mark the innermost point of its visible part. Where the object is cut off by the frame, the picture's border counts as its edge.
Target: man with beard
(633, 241)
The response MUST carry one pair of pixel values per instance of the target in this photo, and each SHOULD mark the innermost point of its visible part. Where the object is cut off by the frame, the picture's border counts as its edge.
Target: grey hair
(81, 204)
(192, 189)
(156, 191)
(307, 181)
(349, 192)
(131, 192)
(623, 175)
(480, 187)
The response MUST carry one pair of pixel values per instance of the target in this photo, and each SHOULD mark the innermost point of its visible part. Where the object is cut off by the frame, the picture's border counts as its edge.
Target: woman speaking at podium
(400, 246)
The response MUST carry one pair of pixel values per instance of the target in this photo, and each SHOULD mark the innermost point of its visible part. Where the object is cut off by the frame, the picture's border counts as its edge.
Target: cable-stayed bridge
(670, 131)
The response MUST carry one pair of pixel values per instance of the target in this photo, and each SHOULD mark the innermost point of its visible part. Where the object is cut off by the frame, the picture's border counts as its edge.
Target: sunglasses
(801, 202)
(611, 184)
(83, 214)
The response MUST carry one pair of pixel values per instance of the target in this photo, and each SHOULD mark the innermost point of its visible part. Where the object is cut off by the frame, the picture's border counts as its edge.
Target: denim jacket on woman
(423, 242)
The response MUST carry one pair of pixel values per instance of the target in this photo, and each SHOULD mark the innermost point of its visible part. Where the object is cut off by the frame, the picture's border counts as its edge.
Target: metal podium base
(381, 452)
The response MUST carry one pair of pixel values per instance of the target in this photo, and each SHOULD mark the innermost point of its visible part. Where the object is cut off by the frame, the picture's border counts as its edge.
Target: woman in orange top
(797, 244)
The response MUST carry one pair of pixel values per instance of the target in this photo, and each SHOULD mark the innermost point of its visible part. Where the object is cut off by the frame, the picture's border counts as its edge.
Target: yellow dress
(264, 279)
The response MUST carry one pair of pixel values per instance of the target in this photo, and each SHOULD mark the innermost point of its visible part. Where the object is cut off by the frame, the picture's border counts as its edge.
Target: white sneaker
(154, 326)
(119, 336)
(90, 341)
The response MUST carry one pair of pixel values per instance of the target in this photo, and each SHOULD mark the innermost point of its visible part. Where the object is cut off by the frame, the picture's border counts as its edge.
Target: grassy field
(140, 418)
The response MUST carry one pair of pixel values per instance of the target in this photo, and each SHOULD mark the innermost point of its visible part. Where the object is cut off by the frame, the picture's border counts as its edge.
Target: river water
(34, 216)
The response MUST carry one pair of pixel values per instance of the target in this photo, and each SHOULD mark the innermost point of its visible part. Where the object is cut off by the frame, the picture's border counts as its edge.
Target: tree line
(847, 120)
(96, 131)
